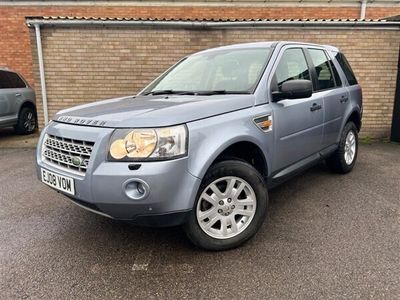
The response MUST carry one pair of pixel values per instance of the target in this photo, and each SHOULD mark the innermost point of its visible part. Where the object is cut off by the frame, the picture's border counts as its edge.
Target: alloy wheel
(226, 207)
(30, 122)
(350, 148)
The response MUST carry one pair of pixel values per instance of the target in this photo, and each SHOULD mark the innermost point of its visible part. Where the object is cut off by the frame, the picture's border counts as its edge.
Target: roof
(222, 22)
(266, 45)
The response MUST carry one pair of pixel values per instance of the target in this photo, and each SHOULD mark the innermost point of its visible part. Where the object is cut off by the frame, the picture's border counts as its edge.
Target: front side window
(325, 76)
(293, 65)
(230, 71)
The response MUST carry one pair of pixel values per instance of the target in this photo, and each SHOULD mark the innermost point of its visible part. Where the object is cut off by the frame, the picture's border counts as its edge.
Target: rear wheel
(26, 121)
(230, 207)
(344, 158)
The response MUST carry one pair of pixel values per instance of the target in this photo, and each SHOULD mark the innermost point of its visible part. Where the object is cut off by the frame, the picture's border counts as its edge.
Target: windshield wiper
(169, 92)
(199, 93)
(220, 92)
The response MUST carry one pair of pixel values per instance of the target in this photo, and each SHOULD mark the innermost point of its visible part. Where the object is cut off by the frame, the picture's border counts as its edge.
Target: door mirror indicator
(293, 89)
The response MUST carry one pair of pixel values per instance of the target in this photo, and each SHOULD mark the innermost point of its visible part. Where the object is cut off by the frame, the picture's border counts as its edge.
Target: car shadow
(7, 132)
(117, 234)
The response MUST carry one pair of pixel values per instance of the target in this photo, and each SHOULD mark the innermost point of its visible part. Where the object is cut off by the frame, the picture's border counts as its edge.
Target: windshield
(214, 72)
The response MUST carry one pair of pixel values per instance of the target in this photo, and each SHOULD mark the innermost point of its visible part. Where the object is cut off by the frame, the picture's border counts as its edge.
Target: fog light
(136, 189)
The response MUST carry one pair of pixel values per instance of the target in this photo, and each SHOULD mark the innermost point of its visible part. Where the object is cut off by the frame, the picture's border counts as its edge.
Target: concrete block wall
(85, 64)
(15, 43)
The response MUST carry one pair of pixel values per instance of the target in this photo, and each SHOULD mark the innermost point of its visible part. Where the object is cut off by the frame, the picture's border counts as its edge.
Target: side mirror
(294, 89)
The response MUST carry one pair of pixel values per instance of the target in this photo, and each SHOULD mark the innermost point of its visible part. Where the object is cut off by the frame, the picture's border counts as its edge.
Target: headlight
(148, 144)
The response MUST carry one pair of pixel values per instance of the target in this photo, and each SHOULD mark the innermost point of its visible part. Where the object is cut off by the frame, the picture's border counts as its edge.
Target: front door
(298, 124)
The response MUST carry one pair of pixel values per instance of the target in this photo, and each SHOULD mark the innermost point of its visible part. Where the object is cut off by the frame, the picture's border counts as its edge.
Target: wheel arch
(248, 152)
(239, 148)
(27, 103)
(354, 117)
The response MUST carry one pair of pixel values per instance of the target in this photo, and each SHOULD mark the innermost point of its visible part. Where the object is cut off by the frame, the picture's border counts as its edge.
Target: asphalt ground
(327, 237)
(9, 139)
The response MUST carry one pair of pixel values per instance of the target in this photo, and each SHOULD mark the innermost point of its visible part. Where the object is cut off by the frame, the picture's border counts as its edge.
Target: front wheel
(344, 158)
(230, 207)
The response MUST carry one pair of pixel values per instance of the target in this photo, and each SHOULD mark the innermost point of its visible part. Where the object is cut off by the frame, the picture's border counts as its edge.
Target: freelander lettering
(73, 120)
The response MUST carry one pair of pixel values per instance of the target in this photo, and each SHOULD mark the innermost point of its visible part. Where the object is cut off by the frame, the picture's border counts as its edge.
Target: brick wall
(92, 63)
(15, 43)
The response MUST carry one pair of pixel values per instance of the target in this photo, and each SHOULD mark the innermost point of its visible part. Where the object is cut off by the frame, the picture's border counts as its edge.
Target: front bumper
(171, 188)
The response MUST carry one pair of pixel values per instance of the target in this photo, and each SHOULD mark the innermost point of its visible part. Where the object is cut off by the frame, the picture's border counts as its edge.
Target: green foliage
(366, 140)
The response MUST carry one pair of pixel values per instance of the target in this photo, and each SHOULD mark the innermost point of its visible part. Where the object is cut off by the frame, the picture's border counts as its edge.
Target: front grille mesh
(62, 152)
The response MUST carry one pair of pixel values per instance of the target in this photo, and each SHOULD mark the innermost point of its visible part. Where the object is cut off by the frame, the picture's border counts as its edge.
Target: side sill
(292, 170)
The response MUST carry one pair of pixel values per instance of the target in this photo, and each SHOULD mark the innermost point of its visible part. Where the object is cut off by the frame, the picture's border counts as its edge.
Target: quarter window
(293, 65)
(348, 72)
(323, 70)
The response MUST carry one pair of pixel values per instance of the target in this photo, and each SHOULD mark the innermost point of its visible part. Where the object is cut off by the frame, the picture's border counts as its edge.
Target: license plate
(59, 182)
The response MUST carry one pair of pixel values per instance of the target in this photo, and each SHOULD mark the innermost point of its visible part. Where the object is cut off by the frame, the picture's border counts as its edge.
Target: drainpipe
(41, 72)
(363, 9)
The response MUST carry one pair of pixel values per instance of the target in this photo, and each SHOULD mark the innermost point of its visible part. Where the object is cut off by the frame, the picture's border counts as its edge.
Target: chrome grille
(62, 152)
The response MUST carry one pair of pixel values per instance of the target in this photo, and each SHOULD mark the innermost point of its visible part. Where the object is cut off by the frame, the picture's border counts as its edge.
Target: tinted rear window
(4, 82)
(10, 80)
(351, 78)
(15, 80)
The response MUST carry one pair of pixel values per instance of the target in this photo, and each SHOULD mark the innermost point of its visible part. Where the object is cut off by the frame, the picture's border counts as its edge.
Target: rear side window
(15, 81)
(323, 69)
(10, 80)
(348, 72)
(4, 81)
(293, 65)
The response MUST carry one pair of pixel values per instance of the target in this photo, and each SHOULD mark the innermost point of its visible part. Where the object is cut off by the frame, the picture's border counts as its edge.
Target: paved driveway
(328, 236)
(9, 139)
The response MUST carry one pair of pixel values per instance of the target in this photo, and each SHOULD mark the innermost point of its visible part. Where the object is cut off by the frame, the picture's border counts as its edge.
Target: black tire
(337, 162)
(27, 121)
(250, 175)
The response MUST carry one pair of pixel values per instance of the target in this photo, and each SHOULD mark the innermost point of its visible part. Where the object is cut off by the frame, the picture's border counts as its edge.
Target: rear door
(298, 124)
(12, 90)
(329, 87)
(5, 93)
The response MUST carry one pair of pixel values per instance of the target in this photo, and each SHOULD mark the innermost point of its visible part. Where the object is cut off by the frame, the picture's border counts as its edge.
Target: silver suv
(202, 144)
(17, 103)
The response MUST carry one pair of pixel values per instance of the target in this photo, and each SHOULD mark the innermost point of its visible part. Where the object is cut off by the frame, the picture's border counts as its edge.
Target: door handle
(18, 94)
(315, 107)
(344, 99)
